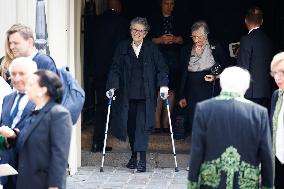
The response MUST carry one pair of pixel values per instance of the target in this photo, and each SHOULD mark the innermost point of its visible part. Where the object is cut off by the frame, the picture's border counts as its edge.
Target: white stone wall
(63, 26)
(15, 11)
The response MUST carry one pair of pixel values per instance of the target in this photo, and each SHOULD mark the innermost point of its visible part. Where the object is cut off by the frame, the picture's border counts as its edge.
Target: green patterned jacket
(231, 140)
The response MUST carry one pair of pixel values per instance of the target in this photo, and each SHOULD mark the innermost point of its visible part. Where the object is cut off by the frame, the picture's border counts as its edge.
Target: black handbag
(216, 69)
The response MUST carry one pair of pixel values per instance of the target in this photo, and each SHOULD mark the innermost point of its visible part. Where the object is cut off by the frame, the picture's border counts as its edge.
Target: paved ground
(123, 178)
(160, 165)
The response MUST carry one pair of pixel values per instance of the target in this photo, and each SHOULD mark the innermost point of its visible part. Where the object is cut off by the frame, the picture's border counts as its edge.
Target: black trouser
(100, 115)
(279, 175)
(137, 133)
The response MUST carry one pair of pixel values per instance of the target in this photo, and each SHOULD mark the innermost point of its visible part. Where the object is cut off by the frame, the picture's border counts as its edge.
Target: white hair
(277, 59)
(235, 79)
(29, 64)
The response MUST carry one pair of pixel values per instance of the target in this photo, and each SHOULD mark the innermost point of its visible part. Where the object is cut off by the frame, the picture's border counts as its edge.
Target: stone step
(158, 143)
(120, 159)
(160, 151)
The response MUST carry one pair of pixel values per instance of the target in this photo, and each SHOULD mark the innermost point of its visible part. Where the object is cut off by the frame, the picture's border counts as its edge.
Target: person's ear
(44, 90)
(145, 33)
(31, 41)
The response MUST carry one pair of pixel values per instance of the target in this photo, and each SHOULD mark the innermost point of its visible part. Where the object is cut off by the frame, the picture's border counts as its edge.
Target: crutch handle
(110, 99)
(167, 99)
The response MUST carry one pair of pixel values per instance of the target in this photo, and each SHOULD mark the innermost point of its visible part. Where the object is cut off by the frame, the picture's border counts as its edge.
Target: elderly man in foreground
(231, 138)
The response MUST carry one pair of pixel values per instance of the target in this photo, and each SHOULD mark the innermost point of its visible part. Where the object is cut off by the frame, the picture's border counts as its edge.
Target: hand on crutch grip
(110, 93)
(164, 92)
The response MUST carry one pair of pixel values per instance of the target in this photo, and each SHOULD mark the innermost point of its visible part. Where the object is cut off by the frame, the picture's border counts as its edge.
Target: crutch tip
(101, 169)
(176, 169)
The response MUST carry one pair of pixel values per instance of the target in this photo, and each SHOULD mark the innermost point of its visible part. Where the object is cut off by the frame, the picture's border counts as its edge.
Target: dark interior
(225, 19)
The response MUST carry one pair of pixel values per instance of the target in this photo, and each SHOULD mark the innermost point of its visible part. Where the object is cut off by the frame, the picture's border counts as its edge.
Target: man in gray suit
(231, 139)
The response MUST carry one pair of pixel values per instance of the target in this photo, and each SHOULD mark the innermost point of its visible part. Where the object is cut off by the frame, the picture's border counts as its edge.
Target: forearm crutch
(171, 130)
(106, 130)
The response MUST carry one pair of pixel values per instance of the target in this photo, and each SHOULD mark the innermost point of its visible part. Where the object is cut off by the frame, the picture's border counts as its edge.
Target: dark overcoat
(155, 74)
(43, 147)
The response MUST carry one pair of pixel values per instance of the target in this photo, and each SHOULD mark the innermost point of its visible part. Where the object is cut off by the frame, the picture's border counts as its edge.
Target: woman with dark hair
(43, 141)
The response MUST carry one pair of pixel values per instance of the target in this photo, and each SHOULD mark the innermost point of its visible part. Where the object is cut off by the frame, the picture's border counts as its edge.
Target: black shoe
(96, 148)
(141, 167)
(132, 163)
(157, 130)
(166, 130)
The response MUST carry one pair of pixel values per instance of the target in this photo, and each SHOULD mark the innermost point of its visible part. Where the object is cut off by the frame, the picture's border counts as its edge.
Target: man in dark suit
(111, 27)
(231, 139)
(277, 71)
(255, 54)
(16, 107)
(22, 44)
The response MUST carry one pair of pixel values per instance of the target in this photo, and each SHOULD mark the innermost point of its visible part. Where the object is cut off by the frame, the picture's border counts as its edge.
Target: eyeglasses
(278, 73)
(197, 37)
(136, 31)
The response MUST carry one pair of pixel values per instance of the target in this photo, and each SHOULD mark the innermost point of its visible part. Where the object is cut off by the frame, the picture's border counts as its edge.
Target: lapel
(126, 53)
(27, 110)
(34, 124)
(274, 99)
(7, 108)
(11, 100)
(145, 52)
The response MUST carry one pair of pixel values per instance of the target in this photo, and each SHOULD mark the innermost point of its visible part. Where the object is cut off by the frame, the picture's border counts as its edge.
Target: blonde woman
(5, 62)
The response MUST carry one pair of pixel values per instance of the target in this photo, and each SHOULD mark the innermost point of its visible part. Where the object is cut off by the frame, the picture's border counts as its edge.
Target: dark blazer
(274, 99)
(255, 55)
(43, 147)
(231, 138)
(154, 75)
(8, 102)
(44, 62)
(9, 156)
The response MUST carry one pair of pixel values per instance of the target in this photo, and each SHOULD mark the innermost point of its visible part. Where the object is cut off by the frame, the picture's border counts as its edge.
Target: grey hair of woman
(200, 25)
(142, 21)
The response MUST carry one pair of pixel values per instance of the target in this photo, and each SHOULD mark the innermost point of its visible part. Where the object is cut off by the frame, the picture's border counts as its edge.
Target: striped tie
(16, 109)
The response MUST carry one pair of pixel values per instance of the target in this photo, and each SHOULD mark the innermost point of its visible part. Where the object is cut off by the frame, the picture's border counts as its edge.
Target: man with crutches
(138, 69)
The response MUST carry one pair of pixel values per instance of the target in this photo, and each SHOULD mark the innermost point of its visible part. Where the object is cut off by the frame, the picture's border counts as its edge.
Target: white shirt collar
(136, 49)
(253, 29)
